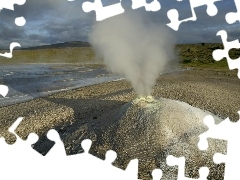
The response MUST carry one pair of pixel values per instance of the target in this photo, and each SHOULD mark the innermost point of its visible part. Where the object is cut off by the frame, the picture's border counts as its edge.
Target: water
(29, 81)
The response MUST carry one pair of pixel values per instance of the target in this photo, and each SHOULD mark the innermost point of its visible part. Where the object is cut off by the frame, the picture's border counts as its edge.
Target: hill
(60, 45)
(189, 55)
(200, 55)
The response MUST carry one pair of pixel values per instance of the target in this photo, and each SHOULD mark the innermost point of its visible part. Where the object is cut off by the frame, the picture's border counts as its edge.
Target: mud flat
(87, 112)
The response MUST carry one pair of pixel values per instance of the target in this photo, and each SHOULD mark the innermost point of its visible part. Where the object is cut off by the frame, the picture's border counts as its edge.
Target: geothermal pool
(29, 81)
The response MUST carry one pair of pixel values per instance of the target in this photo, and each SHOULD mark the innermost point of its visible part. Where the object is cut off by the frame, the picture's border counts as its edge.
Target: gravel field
(87, 112)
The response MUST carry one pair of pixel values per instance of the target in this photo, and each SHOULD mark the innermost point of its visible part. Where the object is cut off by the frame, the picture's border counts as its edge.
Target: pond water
(29, 81)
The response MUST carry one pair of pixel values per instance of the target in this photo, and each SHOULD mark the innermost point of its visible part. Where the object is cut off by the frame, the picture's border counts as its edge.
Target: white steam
(135, 48)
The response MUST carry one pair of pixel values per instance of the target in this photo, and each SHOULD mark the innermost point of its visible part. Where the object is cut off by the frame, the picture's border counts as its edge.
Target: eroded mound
(151, 129)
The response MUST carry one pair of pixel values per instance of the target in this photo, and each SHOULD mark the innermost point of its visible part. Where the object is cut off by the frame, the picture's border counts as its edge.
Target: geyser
(147, 128)
(134, 47)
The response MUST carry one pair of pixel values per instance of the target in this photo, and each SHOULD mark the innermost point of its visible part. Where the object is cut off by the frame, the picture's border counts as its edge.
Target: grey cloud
(204, 29)
(48, 21)
(52, 21)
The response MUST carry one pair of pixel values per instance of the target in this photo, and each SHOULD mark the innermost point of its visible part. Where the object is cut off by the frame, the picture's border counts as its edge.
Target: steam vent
(151, 129)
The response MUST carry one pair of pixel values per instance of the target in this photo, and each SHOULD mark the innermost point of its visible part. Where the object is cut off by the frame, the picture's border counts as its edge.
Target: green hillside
(189, 55)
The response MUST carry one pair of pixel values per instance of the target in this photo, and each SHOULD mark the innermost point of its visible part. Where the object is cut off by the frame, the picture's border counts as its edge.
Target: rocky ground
(86, 112)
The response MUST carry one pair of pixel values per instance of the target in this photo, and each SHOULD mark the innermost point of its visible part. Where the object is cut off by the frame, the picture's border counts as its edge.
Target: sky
(55, 21)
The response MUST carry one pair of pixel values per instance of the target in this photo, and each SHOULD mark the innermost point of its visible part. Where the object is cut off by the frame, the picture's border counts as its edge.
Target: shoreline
(24, 85)
(211, 90)
(85, 113)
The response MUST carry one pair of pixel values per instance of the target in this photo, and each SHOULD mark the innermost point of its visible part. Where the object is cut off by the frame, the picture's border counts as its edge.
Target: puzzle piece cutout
(21, 147)
(180, 162)
(9, 4)
(4, 90)
(232, 17)
(173, 14)
(19, 21)
(221, 53)
(112, 172)
(157, 174)
(226, 130)
(12, 46)
(177, 5)
(16, 152)
(101, 11)
(153, 6)
(20, 157)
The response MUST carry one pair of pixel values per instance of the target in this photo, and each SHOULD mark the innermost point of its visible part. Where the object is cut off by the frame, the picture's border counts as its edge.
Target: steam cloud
(135, 48)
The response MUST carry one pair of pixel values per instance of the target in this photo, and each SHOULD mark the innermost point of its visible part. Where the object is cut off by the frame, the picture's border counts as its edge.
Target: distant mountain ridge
(60, 45)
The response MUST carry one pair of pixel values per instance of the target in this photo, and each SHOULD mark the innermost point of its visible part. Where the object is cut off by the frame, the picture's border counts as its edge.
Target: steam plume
(133, 47)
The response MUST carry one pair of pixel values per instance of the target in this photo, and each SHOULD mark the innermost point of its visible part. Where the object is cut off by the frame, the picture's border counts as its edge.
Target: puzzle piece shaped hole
(157, 174)
(102, 12)
(173, 14)
(110, 156)
(20, 21)
(11, 3)
(4, 90)
(233, 17)
(86, 145)
(204, 171)
(219, 158)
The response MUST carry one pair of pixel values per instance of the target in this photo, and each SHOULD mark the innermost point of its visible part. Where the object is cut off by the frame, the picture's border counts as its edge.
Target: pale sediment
(89, 112)
(160, 128)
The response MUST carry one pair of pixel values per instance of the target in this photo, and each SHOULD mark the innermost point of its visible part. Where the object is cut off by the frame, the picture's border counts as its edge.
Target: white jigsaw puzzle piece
(12, 46)
(22, 147)
(4, 90)
(57, 150)
(157, 174)
(103, 13)
(9, 4)
(19, 21)
(219, 158)
(232, 17)
(173, 14)
(108, 171)
(180, 162)
(153, 6)
(27, 164)
(225, 130)
(221, 53)
(13, 157)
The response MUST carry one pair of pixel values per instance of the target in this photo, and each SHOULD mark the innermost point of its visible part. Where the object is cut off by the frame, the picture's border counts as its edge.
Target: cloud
(204, 29)
(53, 21)
(48, 21)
